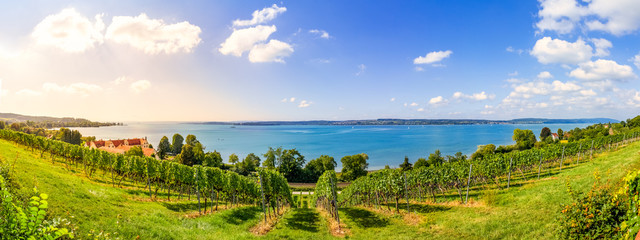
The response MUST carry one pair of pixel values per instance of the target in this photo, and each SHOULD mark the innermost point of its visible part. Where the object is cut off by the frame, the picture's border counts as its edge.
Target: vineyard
(158, 176)
(390, 186)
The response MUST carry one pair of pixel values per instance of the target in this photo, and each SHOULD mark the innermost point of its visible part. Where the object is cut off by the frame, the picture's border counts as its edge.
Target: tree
(525, 139)
(560, 134)
(2, 124)
(191, 140)
(545, 133)
(164, 147)
(248, 164)
(134, 151)
(354, 166)
(422, 162)
(483, 150)
(176, 145)
(69, 136)
(435, 159)
(271, 157)
(406, 165)
(290, 165)
(187, 155)
(212, 159)
(316, 167)
(233, 158)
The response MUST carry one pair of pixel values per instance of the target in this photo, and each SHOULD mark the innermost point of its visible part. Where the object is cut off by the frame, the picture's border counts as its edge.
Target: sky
(319, 60)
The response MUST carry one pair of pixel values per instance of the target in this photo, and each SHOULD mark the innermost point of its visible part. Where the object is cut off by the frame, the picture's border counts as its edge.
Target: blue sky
(303, 60)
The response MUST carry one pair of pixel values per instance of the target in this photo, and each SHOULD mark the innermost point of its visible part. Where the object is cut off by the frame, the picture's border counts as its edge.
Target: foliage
(422, 162)
(290, 165)
(483, 150)
(596, 215)
(164, 147)
(29, 222)
(525, 139)
(560, 134)
(212, 159)
(316, 167)
(406, 165)
(134, 151)
(545, 133)
(176, 144)
(70, 136)
(354, 166)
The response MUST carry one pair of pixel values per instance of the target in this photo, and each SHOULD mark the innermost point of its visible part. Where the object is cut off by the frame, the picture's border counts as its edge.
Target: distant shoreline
(382, 122)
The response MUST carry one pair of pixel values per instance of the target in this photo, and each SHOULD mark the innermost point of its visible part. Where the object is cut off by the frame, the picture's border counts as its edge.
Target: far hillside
(52, 122)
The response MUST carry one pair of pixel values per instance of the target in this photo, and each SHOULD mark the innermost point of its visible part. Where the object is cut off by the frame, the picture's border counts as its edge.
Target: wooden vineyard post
(509, 176)
(406, 191)
(591, 154)
(579, 152)
(335, 201)
(539, 167)
(262, 193)
(562, 159)
(466, 200)
(198, 192)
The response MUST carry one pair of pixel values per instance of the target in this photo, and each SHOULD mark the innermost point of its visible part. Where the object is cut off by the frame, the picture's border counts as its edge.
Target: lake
(384, 144)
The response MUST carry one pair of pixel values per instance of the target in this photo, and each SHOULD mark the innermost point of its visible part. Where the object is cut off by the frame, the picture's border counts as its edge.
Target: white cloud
(634, 100)
(322, 33)
(153, 36)
(559, 15)
(565, 87)
(475, 96)
(361, 69)
(602, 46)
(28, 93)
(513, 50)
(432, 57)
(83, 89)
(121, 80)
(544, 75)
(140, 86)
(243, 40)
(602, 70)
(617, 17)
(548, 50)
(513, 74)
(304, 104)
(414, 104)
(261, 16)
(392, 99)
(513, 80)
(420, 110)
(588, 93)
(636, 60)
(437, 100)
(273, 51)
(283, 100)
(292, 99)
(69, 31)
(614, 16)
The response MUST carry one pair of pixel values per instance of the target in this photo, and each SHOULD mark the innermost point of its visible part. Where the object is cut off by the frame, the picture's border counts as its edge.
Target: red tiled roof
(99, 143)
(554, 134)
(134, 142)
(117, 143)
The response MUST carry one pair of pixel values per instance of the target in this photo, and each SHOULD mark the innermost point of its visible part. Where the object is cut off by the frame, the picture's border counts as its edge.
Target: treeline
(289, 162)
(391, 185)
(164, 176)
(52, 122)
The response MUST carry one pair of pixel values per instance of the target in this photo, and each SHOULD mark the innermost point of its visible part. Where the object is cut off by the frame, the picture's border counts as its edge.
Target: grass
(525, 210)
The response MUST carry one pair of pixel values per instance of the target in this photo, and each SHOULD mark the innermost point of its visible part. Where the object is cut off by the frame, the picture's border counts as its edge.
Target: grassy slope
(527, 211)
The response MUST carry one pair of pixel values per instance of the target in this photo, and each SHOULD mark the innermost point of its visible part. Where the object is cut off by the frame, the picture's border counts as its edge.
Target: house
(120, 146)
(555, 137)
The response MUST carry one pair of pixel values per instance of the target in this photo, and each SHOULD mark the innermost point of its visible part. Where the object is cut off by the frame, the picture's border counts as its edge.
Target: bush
(596, 215)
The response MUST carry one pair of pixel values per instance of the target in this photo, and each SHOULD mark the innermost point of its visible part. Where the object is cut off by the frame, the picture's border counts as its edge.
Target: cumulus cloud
(391, 100)
(413, 104)
(322, 33)
(83, 89)
(120, 80)
(437, 100)
(304, 104)
(432, 57)
(617, 17)
(475, 96)
(636, 60)
(602, 46)
(261, 16)
(153, 36)
(548, 50)
(544, 75)
(69, 31)
(140, 85)
(420, 110)
(273, 51)
(602, 70)
(242, 40)
(28, 93)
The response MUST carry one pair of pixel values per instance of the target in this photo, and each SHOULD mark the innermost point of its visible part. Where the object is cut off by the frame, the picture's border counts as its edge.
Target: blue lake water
(384, 144)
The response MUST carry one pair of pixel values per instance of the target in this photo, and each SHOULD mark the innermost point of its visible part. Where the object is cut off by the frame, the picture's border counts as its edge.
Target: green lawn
(525, 211)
